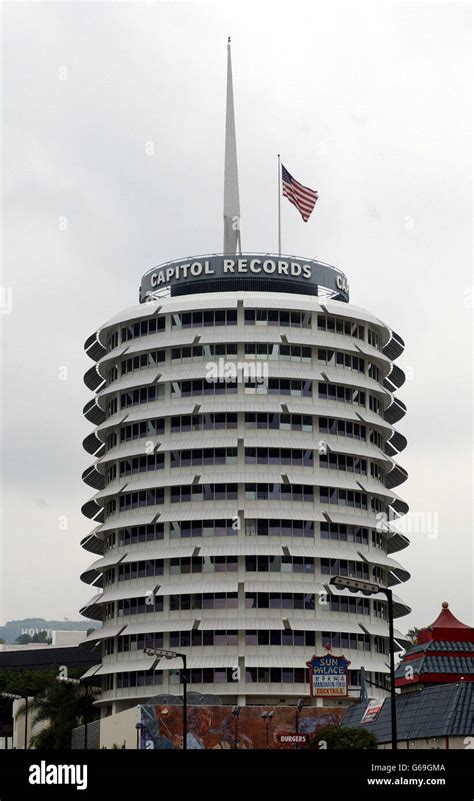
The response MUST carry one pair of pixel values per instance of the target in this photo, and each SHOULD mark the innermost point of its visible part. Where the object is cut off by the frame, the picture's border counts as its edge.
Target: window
(203, 492)
(142, 361)
(284, 319)
(143, 328)
(145, 428)
(199, 319)
(142, 464)
(148, 533)
(190, 353)
(135, 500)
(203, 528)
(342, 428)
(203, 456)
(279, 528)
(207, 600)
(342, 497)
(200, 386)
(340, 325)
(339, 393)
(284, 422)
(286, 456)
(135, 397)
(277, 492)
(344, 533)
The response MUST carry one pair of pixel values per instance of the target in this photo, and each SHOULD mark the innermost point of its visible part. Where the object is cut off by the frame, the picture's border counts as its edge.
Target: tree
(24, 639)
(28, 682)
(62, 707)
(412, 635)
(2, 641)
(343, 738)
(42, 636)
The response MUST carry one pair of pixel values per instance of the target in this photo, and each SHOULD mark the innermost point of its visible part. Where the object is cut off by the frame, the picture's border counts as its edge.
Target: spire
(231, 180)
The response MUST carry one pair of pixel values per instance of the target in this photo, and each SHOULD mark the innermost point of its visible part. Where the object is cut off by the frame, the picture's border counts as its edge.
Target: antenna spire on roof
(232, 243)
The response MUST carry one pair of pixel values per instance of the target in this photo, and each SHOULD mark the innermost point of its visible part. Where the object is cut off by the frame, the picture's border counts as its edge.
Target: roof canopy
(446, 627)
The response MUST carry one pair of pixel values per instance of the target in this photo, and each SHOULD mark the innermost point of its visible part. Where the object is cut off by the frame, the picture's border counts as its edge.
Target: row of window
(214, 421)
(339, 393)
(339, 461)
(222, 564)
(206, 319)
(260, 637)
(284, 319)
(268, 351)
(188, 353)
(296, 457)
(143, 328)
(230, 564)
(333, 357)
(296, 388)
(221, 317)
(199, 676)
(253, 492)
(339, 325)
(143, 361)
(135, 397)
(253, 527)
(253, 600)
(260, 351)
(271, 386)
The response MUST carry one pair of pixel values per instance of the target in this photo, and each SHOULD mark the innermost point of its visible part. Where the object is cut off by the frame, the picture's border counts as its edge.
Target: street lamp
(24, 698)
(267, 717)
(138, 727)
(367, 588)
(235, 715)
(164, 653)
(299, 709)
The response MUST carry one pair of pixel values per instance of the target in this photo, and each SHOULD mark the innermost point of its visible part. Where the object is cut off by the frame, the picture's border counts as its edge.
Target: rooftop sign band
(215, 273)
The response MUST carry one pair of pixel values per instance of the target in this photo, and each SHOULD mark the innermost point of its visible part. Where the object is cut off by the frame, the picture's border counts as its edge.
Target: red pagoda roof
(444, 653)
(446, 627)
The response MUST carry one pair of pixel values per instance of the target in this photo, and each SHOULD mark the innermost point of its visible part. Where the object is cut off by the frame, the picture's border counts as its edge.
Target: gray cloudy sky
(368, 103)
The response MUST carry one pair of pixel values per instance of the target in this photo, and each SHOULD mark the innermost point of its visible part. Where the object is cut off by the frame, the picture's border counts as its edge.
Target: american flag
(303, 198)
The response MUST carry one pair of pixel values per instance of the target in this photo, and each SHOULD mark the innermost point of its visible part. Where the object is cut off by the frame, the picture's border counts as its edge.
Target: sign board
(292, 739)
(328, 675)
(372, 711)
(222, 273)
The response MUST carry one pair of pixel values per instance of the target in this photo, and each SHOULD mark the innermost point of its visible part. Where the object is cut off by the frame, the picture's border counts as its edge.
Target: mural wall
(215, 726)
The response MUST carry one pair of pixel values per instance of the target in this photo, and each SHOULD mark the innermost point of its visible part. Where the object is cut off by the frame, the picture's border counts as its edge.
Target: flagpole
(279, 206)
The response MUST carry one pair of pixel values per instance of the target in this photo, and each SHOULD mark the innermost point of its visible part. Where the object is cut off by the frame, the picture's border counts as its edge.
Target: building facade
(244, 448)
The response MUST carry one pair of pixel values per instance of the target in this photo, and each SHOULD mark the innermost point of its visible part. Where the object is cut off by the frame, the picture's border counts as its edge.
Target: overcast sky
(368, 104)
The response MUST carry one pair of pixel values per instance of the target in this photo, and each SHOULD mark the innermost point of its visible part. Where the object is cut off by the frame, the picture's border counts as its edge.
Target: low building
(444, 654)
(439, 717)
(64, 651)
(435, 706)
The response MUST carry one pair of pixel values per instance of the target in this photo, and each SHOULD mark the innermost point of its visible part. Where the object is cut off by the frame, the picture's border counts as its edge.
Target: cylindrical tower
(243, 448)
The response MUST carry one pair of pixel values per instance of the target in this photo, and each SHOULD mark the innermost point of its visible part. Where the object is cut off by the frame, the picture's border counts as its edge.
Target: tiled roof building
(444, 654)
(438, 717)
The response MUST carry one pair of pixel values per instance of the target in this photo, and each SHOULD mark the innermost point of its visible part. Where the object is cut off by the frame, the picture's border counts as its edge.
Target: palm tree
(61, 707)
(412, 635)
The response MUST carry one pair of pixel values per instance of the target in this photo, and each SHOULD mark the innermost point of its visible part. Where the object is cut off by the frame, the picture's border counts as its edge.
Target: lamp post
(299, 709)
(235, 715)
(367, 588)
(267, 717)
(164, 653)
(138, 727)
(15, 697)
